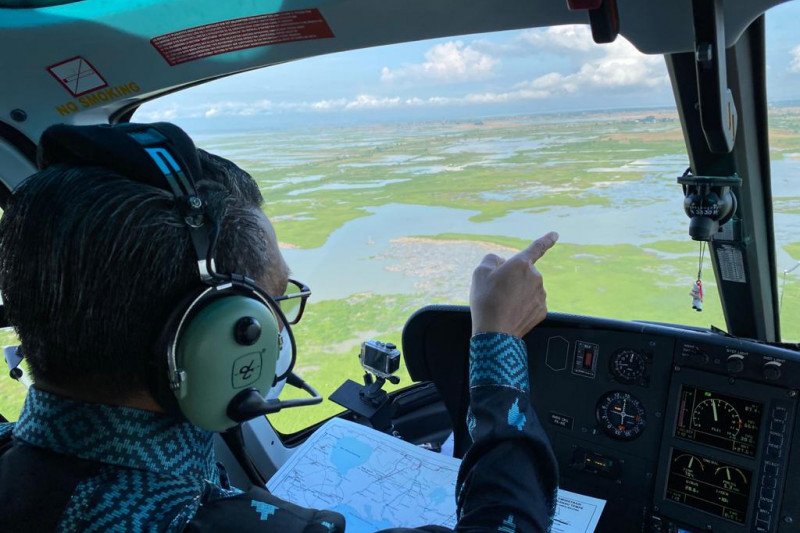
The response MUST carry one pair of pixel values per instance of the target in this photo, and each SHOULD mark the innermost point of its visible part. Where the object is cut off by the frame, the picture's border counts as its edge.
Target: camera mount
(379, 360)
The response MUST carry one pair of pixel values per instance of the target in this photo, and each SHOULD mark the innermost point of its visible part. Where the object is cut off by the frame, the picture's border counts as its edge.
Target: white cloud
(597, 69)
(504, 97)
(620, 66)
(362, 101)
(575, 37)
(558, 39)
(159, 115)
(325, 105)
(489, 97)
(550, 83)
(237, 108)
(616, 66)
(365, 101)
(541, 88)
(447, 62)
(794, 66)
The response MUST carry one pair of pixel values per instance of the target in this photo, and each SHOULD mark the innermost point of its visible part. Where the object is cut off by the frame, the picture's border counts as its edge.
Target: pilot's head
(93, 263)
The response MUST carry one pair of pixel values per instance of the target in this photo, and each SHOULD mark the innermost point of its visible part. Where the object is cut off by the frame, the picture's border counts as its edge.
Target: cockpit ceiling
(30, 4)
(83, 61)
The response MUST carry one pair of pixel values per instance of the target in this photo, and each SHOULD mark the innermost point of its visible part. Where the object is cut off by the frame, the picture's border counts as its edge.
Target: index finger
(537, 248)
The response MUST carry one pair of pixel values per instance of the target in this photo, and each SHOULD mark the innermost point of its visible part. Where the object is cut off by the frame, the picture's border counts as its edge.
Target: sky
(514, 72)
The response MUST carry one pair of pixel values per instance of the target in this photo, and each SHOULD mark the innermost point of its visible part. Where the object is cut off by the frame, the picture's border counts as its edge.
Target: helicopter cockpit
(676, 427)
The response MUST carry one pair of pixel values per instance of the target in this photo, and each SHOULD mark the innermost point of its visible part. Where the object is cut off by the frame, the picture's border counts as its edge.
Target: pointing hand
(508, 296)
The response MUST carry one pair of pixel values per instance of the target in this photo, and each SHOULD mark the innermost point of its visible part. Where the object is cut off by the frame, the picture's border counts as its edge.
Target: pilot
(93, 262)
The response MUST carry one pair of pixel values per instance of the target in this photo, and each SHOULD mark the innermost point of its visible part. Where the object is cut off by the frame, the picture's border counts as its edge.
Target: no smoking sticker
(77, 76)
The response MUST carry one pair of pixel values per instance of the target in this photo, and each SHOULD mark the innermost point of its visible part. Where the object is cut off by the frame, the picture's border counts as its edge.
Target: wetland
(380, 220)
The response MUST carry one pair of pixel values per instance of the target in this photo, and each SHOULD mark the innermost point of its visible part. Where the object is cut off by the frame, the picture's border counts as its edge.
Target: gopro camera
(379, 358)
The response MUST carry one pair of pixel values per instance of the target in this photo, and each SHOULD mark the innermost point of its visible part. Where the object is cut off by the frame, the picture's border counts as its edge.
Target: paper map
(378, 482)
(375, 480)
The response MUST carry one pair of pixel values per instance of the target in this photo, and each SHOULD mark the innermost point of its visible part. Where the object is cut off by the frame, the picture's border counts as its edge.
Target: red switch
(588, 358)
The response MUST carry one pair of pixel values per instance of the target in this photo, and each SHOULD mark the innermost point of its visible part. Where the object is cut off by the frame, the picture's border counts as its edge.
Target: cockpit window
(388, 173)
(783, 85)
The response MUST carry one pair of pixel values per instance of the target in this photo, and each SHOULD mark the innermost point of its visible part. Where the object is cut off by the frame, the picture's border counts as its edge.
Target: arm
(509, 476)
(508, 479)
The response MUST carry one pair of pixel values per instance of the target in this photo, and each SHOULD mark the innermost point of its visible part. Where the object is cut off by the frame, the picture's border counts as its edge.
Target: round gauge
(731, 478)
(689, 466)
(628, 366)
(717, 417)
(621, 415)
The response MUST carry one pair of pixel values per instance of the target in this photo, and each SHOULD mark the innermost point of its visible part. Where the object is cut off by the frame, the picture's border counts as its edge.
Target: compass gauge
(621, 415)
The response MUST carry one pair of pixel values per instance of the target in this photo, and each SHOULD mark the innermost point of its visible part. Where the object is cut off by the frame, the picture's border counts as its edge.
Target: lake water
(359, 247)
(635, 211)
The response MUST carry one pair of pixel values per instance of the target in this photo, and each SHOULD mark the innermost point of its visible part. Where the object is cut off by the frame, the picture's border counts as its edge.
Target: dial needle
(714, 409)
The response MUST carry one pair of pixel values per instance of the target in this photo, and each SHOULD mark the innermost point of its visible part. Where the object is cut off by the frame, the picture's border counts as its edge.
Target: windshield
(783, 84)
(388, 173)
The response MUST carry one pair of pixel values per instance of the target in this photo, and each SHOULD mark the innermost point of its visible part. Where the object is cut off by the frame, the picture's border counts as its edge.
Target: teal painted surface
(148, 17)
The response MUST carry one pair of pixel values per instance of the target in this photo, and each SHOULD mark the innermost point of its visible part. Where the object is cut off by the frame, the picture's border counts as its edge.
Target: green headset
(216, 358)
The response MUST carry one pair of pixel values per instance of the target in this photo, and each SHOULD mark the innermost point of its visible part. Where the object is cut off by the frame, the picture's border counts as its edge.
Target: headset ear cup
(159, 381)
(228, 344)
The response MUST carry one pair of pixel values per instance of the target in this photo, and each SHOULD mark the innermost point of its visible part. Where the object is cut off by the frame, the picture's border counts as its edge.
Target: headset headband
(158, 154)
(163, 156)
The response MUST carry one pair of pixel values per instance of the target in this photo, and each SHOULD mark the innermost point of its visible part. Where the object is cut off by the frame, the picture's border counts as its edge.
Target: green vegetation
(329, 339)
(793, 249)
(673, 247)
(563, 168)
(622, 281)
(789, 205)
(449, 165)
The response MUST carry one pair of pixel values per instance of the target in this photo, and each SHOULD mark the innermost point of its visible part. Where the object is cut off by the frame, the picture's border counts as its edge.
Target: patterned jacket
(74, 466)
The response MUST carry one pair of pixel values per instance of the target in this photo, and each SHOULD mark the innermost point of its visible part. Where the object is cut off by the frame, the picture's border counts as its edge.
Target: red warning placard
(240, 34)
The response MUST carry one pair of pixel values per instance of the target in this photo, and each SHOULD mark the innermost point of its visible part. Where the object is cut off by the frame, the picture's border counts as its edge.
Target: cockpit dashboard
(677, 429)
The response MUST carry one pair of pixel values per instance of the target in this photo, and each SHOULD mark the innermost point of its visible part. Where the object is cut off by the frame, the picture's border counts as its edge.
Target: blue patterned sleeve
(6, 428)
(498, 359)
(509, 476)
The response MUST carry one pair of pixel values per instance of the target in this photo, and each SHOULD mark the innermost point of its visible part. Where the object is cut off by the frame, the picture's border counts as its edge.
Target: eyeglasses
(293, 301)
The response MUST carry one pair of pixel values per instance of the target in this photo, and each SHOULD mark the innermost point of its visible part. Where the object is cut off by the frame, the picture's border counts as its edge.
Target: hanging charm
(697, 295)
(697, 288)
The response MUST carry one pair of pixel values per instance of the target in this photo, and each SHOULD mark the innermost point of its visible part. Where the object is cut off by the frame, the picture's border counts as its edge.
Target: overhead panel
(83, 61)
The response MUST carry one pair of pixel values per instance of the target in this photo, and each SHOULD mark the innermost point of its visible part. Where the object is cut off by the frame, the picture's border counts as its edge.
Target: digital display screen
(709, 485)
(717, 420)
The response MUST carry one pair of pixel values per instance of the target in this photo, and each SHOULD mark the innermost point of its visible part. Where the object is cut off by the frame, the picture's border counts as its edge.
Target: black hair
(92, 263)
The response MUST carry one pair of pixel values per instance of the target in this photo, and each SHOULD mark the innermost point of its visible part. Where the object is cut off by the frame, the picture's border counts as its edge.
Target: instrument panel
(679, 430)
(725, 422)
(709, 484)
